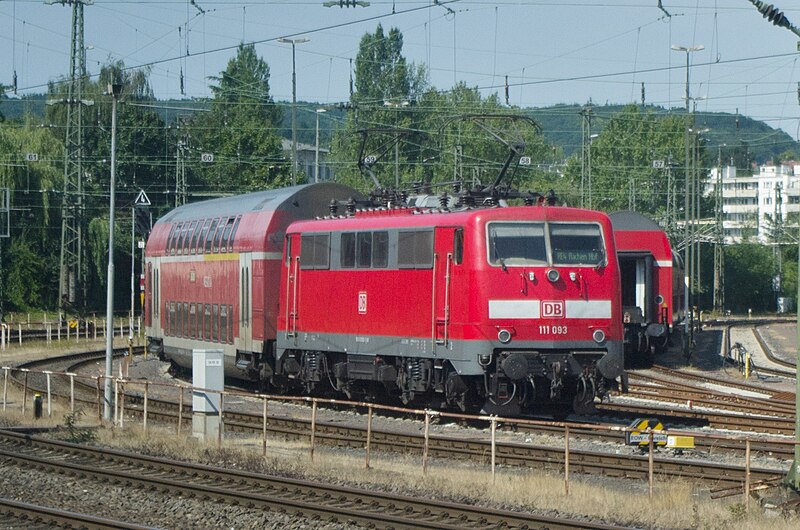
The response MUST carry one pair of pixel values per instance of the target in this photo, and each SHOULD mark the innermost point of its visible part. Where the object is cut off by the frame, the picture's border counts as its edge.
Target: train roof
(290, 198)
(423, 217)
(627, 220)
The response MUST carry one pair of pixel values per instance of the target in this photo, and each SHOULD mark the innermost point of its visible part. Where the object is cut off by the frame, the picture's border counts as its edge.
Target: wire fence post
(747, 475)
(25, 391)
(72, 393)
(99, 405)
(5, 386)
(20, 333)
(566, 459)
(264, 429)
(180, 410)
(122, 405)
(116, 400)
(144, 411)
(494, 445)
(221, 416)
(425, 446)
(369, 435)
(313, 425)
(49, 394)
(650, 464)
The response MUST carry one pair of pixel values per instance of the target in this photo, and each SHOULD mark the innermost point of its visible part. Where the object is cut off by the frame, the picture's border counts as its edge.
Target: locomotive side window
(458, 246)
(576, 244)
(347, 251)
(210, 236)
(364, 246)
(315, 251)
(415, 249)
(516, 244)
(380, 250)
(195, 235)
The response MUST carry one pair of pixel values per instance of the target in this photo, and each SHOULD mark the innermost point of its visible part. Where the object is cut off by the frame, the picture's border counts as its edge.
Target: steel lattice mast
(72, 263)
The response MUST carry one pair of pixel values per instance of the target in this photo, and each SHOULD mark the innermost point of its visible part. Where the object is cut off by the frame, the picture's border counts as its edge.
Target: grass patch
(676, 504)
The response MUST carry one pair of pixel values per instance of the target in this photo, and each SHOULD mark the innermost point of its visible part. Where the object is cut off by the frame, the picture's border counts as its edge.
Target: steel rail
(32, 515)
(303, 497)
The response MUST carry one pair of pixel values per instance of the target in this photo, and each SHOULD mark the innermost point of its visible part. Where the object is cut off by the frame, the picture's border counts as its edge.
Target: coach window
(218, 235)
(315, 251)
(173, 239)
(230, 324)
(347, 251)
(223, 323)
(199, 316)
(576, 244)
(223, 246)
(201, 240)
(210, 236)
(380, 250)
(207, 322)
(192, 320)
(169, 240)
(233, 233)
(182, 238)
(187, 238)
(215, 323)
(195, 235)
(172, 319)
(185, 319)
(415, 249)
(458, 246)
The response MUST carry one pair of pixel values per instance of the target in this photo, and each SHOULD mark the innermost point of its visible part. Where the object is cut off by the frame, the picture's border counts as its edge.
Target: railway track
(317, 501)
(769, 353)
(477, 450)
(14, 514)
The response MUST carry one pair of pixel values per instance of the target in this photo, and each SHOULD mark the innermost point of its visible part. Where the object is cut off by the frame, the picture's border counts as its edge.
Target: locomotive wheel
(512, 408)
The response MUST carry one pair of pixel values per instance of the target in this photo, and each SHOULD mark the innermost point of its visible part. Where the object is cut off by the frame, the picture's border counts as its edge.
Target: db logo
(553, 309)
(362, 303)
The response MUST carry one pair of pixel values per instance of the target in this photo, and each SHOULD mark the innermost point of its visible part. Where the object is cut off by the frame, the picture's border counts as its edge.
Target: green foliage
(748, 277)
(240, 130)
(77, 434)
(24, 269)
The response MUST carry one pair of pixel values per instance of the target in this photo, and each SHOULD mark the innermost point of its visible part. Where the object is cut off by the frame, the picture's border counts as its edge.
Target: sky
(552, 51)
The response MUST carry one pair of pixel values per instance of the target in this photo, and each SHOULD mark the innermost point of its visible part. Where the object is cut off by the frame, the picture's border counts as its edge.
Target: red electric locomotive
(652, 286)
(212, 274)
(504, 309)
(500, 309)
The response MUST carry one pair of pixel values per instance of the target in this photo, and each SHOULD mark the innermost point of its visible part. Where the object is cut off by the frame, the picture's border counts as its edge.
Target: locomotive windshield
(515, 243)
(576, 244)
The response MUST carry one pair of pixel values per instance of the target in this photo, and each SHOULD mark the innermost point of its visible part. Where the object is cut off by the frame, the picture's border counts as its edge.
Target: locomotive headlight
(504, 336)
(599, 336)
(659, 300)
(553, 275)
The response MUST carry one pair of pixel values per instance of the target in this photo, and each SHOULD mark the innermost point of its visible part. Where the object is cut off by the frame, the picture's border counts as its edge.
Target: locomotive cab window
(415, 249)
(516, 244)
(347, 251)
(380, 250)
(577, 244)
(364, 250)
(315, 251)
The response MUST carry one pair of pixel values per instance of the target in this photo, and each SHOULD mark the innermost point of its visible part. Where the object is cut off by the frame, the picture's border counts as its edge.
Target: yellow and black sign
(640, 436)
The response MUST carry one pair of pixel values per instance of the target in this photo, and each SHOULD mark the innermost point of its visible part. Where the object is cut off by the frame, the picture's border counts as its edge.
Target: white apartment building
(749, 203)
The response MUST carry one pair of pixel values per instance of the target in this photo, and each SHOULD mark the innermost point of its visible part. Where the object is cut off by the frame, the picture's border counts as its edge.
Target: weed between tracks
(676, 504)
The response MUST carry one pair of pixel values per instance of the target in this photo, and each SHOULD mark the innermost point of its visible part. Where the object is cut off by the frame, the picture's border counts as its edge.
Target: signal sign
(142, 199)
(207, 157)
(524, 160)
(31, 157)
(658, 164)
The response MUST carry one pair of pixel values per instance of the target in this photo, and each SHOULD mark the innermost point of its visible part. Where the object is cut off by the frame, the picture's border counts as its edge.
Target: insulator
(351, 206)
(444, 200)
(551, 198)
(529, 199)
(333, 207)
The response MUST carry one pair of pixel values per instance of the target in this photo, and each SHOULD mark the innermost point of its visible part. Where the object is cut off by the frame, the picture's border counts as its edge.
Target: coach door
(245, 301)
(448, 242)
